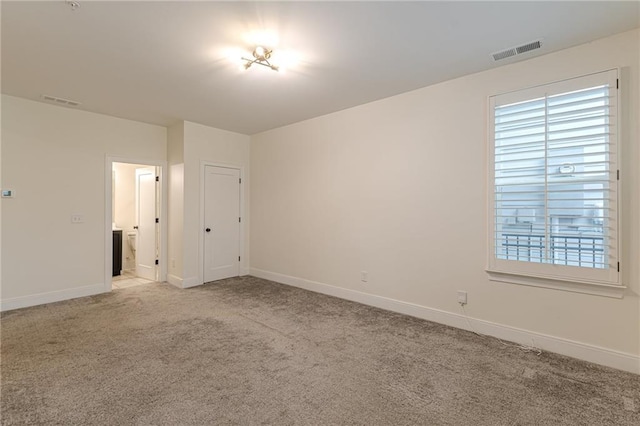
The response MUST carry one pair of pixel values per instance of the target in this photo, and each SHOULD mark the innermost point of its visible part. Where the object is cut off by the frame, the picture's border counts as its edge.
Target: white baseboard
(174, 280)
(586, 352)
(50, 297)
(191, 282)
(194, 281)
(182, 282)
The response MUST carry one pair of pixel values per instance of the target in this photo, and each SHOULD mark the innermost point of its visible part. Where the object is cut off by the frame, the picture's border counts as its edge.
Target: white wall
(54, 158)
(175, 158)
(397, 188)
(189, 145)
(207, 144)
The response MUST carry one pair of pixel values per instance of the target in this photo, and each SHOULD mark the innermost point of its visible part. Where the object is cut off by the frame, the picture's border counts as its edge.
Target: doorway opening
(134, 216)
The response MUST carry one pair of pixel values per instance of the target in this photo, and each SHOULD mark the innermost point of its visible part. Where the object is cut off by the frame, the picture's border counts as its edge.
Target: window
(554, 181)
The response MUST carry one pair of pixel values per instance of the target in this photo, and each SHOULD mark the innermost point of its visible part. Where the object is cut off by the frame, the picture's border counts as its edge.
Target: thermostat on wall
(7, 193)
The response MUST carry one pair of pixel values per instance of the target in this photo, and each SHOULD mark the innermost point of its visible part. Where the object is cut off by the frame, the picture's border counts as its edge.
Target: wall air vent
(513, 51)
(60, 101)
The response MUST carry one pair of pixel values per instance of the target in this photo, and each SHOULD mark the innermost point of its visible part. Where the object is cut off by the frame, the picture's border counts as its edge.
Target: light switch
(77, 218)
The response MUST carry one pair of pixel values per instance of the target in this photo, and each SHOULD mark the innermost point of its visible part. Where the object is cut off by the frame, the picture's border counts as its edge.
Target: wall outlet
(462, 297)
(77, 218)
(364, 276)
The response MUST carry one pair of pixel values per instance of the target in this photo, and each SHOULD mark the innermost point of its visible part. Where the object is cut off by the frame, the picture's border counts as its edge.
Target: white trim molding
(183, 282)
(50, 297)
(174, 280)
(598, 355)
(596, 289)
(191, 282)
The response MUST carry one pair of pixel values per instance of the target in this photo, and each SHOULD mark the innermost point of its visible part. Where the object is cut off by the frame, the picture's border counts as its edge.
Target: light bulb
(259, 52)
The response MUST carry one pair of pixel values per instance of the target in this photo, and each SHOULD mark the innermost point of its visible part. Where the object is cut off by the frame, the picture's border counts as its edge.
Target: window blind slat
(599, 138)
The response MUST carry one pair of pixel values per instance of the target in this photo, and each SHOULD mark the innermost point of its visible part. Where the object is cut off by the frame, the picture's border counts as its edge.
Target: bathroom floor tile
(130, 281)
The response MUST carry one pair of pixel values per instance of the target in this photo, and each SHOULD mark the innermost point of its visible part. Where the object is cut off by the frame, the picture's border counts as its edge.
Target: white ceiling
(161, 62)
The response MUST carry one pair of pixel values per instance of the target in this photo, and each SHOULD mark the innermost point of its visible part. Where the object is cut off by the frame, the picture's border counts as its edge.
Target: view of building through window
(552, 186)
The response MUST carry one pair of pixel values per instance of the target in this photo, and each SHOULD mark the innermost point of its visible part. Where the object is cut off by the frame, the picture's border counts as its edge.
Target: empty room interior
(320, 212)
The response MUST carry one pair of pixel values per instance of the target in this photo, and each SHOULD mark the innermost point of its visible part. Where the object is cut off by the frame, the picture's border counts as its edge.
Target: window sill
(597, 289)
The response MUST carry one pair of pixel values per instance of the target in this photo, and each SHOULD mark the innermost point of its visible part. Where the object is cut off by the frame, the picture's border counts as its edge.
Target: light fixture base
(73, 5)
(261, 56)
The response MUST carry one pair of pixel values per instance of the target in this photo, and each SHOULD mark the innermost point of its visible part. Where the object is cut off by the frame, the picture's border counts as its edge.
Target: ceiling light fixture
(74, 5)
(261, 56)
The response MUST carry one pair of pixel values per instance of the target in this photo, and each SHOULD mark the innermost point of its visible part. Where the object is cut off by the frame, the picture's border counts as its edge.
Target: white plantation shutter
(553, 189)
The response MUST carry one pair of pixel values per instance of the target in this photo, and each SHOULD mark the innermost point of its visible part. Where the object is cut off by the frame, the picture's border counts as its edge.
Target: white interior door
(221, 223)
(146, 243)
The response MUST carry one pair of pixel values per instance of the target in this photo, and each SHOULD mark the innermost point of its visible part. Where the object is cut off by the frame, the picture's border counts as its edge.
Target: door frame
(108, 219)
(243, 224)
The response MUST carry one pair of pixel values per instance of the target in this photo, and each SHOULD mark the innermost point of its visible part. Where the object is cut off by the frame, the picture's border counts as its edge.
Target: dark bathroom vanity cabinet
(117, 252)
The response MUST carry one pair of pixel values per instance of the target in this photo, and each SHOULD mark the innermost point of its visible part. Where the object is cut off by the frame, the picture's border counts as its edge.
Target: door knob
(135, 227)
(208, 229)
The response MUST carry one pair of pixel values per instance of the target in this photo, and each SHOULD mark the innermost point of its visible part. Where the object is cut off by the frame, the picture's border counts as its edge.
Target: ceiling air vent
(528, 47)
(60, 101)
(517, 50)
(504, 54)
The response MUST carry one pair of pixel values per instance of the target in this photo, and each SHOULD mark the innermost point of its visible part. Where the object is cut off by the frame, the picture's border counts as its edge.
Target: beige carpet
(248, 351)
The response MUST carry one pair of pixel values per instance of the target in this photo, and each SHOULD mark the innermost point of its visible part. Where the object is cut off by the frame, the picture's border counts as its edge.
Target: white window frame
(603, 281)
